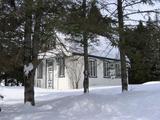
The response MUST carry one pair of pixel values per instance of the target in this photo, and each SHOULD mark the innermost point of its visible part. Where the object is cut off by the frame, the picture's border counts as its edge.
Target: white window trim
(92, 68)
(106, 69)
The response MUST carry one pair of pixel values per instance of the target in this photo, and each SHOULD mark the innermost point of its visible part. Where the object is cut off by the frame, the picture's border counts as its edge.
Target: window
(117, 70)
(61, 67)
(38, 83)
(92, 68)
(40, 71)
(106, 69)
(50, 63)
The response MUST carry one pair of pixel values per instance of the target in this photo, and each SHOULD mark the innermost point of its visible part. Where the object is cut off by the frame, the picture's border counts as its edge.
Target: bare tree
(75, 70)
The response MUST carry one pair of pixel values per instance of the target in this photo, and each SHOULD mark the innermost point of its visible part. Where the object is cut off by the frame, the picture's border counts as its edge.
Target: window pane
(61, 67)
(40, 71)
(38, 83)
(118, 70)
(106, 69)
(92, 68)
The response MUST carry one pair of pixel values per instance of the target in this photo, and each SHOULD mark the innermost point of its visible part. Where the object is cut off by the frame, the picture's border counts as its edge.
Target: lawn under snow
(141, 102)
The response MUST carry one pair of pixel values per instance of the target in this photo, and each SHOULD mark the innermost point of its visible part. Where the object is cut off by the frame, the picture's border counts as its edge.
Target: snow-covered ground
(141, 102)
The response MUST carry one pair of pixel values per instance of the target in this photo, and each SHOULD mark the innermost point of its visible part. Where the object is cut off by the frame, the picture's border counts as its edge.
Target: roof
(100, 49)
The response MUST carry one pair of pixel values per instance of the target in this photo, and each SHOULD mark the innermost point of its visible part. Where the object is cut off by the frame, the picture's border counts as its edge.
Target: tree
(29, 69)
(142, 48)
(11, 36)
(41, 21)
(121, 14)
(75, 70)
(29, 29)
(121, 46)
(85, 51)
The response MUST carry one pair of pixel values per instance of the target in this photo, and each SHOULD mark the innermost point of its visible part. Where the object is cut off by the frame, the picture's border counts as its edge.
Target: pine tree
(27, 27)
(11, 36)
(142, 49)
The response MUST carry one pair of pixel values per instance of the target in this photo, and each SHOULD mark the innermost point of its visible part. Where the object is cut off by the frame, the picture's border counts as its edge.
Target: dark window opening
(92, 68)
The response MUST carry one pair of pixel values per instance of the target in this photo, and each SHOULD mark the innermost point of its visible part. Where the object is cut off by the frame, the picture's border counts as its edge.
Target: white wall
(74, 68)
(101, 80)
(98, 81)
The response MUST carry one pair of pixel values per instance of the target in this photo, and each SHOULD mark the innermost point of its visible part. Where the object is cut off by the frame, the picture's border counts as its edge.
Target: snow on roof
(101, 48)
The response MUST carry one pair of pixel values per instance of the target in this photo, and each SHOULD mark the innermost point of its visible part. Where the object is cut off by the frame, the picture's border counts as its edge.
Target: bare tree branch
(139, 12)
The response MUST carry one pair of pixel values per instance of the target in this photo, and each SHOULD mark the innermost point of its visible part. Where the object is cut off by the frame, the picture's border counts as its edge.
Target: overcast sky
(144, 16)
(140, 7)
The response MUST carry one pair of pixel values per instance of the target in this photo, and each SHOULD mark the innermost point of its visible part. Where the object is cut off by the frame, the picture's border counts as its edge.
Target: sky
(144, 16)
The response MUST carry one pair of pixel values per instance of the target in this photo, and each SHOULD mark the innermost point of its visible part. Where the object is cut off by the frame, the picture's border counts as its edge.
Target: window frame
(40, 71)
(106, 69)
(61, 71)
(117, 74)
(92, 68)
(39, 83)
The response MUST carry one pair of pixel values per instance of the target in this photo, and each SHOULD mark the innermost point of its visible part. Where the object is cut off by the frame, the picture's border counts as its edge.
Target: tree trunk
(122, 52)
(29, 88)
(76, 85)
(29, 78)
(85, 47)
(86, 78)
(34, 49)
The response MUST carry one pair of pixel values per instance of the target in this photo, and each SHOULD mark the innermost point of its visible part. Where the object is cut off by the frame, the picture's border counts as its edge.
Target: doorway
(50, 74)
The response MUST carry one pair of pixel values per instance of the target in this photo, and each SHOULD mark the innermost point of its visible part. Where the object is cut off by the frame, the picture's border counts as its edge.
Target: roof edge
(94, 56)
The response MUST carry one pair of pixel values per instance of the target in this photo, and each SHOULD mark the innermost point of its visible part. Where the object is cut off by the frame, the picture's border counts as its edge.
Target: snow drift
(141, 102)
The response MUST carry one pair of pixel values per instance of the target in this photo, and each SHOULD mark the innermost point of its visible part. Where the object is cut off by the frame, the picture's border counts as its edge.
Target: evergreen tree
(27, 27)
(11, 35)
(42, 16)
(142, 49)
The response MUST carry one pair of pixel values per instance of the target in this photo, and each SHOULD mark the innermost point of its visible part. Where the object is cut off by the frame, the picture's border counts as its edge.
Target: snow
(28, 68)
(141, 102)
(101, 47)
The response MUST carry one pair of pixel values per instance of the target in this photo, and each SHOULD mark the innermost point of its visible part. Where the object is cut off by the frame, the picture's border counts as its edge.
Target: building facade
(66, 72)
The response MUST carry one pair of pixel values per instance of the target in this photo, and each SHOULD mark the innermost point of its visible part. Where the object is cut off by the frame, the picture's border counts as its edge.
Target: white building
(63, 69)
(66, 72)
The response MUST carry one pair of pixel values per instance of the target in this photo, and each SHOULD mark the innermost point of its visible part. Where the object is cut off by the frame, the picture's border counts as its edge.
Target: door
(50, 77)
